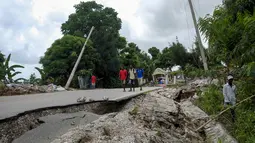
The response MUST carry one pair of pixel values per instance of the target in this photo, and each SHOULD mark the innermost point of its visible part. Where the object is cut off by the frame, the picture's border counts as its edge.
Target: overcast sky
(29, 27)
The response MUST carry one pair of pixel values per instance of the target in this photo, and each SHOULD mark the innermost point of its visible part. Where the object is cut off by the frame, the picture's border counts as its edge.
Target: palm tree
(9, 72)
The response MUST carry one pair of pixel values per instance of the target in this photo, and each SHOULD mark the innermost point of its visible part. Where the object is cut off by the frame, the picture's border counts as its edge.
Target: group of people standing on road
(126, 76)
(130, 76)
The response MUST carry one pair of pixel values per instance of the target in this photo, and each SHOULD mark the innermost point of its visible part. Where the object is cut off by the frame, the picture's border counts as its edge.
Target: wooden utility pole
(78, 61)
(198, 36)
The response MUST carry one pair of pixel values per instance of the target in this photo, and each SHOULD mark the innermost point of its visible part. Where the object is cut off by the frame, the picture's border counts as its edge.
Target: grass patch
(211, 100)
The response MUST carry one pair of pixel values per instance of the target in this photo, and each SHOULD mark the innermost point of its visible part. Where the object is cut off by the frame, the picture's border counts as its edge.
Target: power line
(199, 5)
(187, 23)
(196, 11)
(189, 33)
(199, 8)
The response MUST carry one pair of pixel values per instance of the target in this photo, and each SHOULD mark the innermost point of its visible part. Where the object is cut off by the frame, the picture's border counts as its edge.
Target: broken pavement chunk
(105, 98)
(81, 99)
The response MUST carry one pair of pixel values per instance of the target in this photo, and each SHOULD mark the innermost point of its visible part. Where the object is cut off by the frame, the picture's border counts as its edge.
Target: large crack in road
(14, 127)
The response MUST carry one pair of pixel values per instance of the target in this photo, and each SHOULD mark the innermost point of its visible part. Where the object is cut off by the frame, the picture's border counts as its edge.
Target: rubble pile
(200, 83)
(203, 82)
(21, 89)
(160, 116)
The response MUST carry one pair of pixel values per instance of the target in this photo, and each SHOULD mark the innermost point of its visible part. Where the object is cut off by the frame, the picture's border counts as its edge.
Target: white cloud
(21, 38)
(33, 31)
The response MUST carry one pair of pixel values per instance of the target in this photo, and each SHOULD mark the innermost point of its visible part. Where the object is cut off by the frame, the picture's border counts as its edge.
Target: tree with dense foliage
(130, 55)
(154, 52)
(179, 54)
(230, 34)
(60, 58)
(121, 43)
(165, 59)
(175, 55)
(155, 61)
(106, 39)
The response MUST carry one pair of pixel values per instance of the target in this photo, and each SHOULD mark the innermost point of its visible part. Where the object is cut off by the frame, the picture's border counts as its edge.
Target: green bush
(2, 86)
(211, 101)
(244, 129)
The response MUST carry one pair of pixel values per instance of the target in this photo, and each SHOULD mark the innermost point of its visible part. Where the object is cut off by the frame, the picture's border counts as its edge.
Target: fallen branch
(223, 112)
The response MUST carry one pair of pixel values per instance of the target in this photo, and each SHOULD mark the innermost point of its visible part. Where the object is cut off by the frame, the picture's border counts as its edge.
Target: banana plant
(43, 75)
(10, 72)
(41, 71)
(34, 80)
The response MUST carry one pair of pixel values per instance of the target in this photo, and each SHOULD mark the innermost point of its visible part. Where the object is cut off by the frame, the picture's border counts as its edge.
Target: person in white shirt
(229, 92)
(132, 76)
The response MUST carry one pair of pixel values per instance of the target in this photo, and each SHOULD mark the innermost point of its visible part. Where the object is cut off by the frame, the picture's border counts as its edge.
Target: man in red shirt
(123, 77)
(93, 81)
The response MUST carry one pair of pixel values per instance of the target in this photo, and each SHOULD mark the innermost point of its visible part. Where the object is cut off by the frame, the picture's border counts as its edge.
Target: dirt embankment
(163, 116)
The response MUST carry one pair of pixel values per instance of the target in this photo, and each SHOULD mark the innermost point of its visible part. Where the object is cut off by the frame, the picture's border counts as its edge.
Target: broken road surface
(13, 105)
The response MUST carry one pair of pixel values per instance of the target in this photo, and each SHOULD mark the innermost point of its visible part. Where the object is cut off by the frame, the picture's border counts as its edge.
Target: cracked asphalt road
(13, 105)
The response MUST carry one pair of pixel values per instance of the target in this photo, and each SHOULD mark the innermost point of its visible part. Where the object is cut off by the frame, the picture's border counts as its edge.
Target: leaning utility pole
(198, 36)
(78, 60)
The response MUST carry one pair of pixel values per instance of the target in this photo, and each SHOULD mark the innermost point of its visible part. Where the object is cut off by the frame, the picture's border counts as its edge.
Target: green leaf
(7, 61)
(13, 67)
